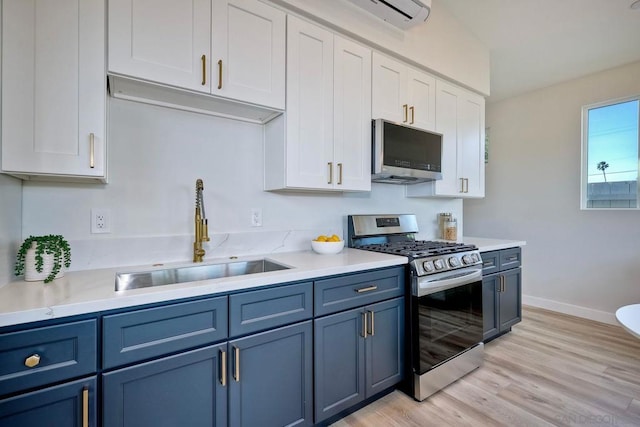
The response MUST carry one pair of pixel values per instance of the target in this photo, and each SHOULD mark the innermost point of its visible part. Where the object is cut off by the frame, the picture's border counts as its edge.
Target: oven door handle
(427, 287)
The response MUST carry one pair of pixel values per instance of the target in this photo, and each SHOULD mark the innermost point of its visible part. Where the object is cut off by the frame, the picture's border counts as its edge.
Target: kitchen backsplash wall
(155, 156)
(10, 224)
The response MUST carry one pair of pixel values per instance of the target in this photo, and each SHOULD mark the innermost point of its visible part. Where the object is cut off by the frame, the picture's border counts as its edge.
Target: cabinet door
(389, 90)
(339, 362)
(352, 115)
(270, 378)
(164, 41)
(309, 120)
(511, 299)
(447, 106)
(53, 92)
(471, 144)
(490, 304)
(422, 99)
(168, 392)
(384, 347)
(248, 52)
(67, 405)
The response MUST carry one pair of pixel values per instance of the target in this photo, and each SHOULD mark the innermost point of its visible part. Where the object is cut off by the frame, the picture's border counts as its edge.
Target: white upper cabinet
(352, 115)
(166, 41)
(309, 116)
(472, 145)
(327, 125)
(402, 94)
(229, 48)
(460, 118)
(421, 96)
(53, 88)
(389, 90)
(248, 52)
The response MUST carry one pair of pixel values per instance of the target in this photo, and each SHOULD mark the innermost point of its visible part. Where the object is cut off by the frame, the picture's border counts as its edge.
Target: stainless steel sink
(145, 279)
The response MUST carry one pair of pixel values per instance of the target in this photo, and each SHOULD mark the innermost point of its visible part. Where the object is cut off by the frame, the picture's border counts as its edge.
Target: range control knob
(453, 261)
(428, 266)
(475, 257)
(439, 264)
(467, 259)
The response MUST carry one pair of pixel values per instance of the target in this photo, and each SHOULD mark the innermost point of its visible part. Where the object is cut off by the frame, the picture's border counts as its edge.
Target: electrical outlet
(256, 217)
(100, 221)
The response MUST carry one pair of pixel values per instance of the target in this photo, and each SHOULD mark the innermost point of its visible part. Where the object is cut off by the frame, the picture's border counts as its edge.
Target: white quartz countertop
(89, 291)
(485, 244)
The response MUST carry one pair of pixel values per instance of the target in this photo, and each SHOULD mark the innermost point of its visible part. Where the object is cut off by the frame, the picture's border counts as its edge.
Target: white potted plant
(43, 258)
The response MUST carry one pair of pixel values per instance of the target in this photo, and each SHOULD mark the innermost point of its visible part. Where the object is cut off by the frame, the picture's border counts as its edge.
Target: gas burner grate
(418, 248)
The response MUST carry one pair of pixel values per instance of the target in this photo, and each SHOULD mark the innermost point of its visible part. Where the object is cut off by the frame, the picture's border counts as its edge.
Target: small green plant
(51, 244)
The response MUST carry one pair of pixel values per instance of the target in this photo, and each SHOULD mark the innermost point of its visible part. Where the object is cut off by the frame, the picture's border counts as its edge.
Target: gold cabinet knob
(31, 361)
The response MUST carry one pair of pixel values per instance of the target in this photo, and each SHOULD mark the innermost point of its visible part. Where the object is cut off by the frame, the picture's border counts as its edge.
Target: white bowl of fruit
(327, 245)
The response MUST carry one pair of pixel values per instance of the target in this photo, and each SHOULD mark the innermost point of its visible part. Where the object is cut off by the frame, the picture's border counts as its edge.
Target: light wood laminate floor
(551, 369)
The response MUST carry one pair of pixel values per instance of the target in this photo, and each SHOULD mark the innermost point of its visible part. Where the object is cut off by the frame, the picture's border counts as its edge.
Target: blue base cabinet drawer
(42, 356)
(269, 308)
(68, 405)
(354, 290)
(144, 334)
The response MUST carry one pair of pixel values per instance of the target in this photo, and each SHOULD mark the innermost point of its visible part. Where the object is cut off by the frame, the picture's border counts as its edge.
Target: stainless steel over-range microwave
(403, 154)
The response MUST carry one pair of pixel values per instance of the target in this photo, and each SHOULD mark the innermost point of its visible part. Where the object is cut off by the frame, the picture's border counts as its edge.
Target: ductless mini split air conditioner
(401, 13)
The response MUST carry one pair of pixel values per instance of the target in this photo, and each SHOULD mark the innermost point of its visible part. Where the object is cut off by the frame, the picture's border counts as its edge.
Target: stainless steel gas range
(444, 299)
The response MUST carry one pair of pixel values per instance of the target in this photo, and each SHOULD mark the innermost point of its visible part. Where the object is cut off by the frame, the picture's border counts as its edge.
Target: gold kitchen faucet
(202, 227)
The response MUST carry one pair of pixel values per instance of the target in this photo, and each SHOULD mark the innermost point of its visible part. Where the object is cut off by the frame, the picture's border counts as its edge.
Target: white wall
(155, 156)
(581, 262)
(441, 45)
(10, 225)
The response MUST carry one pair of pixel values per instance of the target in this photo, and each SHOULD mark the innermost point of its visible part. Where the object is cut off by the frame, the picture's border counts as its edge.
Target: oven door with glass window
(445, 323)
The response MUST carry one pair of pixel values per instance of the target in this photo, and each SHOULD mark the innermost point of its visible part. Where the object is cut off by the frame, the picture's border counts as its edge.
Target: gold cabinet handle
(92, 152)
(462, 185)
(203, 59)
(367, 289)
(330, 164)
(466, 186)
(32, 361)
(236, 361)
(339, 173)
(406, 113)
(372, 332)
(220, 74)
(85, 407)
(223, 368)
(364, 324)
(413, 114)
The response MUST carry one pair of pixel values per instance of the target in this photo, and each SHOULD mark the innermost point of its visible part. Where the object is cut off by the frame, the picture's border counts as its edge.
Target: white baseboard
(573, 310)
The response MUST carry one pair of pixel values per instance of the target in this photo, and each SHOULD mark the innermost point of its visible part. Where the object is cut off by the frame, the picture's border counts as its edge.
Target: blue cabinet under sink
(240, 359)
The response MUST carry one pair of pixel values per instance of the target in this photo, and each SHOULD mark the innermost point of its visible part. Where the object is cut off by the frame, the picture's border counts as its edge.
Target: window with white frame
(610, 142)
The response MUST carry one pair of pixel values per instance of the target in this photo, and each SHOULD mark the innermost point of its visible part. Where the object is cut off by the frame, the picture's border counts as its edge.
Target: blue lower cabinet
(270, 378)
(358, 353)
(185, 389)
(339, 362)
(490, 304)
(71, 404)
(384, 346)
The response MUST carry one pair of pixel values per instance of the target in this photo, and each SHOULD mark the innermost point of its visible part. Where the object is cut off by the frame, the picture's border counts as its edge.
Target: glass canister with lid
(443, 217)
(451, 229)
